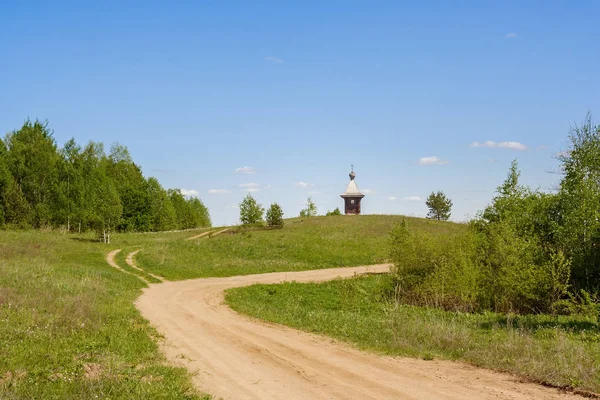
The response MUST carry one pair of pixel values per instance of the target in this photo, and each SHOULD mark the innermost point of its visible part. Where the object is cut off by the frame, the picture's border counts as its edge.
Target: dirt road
(235, 357)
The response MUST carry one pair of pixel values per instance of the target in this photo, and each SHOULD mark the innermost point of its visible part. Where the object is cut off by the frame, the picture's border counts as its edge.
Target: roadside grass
(68, 325)
(560, 351)
(302, 244)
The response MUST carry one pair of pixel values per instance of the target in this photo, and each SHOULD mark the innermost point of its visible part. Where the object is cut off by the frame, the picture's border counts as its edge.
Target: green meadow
(68, 325)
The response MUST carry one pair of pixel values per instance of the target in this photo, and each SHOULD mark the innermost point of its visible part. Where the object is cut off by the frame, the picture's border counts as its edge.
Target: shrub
(334, 212)
(310, 210)
(275, 216)
(437, 270)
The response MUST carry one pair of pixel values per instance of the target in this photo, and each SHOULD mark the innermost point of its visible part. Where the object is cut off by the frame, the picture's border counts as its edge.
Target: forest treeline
(528, 251)
(79, 188)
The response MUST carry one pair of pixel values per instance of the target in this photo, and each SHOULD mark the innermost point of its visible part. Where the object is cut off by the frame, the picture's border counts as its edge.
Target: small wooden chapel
(352, 196)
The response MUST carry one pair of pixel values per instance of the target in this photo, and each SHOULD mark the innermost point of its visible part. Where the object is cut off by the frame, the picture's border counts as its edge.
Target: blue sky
(293, 93)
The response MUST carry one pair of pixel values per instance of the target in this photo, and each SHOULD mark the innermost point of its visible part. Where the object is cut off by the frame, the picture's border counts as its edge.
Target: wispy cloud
(219, 191)
(367, 191)
(274, 59)
(391, 198)
(431, 161)
(500, 145)
(303, 184)
(251, 189)
(189, 192)
(245, 170)
(511, 35)
(412, 198)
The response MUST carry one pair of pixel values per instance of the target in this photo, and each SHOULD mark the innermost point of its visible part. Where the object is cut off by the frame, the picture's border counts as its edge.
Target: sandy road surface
(235, 357)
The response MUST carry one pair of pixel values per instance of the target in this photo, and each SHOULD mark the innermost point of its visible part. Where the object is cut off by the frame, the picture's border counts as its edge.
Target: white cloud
(391, 198)
(501, 145)
(245, 170)
(249, 185)
(511, 35)
(218, 191)
(431, 160)
(412, 198)
(303, 184)
(190, 192)
(252, 189)
(274, 59)
(367, 191)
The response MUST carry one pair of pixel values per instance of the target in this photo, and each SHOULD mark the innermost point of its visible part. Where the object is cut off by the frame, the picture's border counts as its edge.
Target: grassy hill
(310, 243)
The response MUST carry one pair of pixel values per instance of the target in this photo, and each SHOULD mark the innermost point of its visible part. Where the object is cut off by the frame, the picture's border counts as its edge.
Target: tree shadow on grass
(534, 322)
(86, 240)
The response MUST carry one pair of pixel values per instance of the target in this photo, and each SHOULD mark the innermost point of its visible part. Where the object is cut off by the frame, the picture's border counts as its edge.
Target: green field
(311, 243)
(68, 326)
(561, 351)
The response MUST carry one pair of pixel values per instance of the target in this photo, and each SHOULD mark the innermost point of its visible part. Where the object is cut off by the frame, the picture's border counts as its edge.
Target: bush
(334, 212)
(437, 270)
(310, 210)
(275, 216)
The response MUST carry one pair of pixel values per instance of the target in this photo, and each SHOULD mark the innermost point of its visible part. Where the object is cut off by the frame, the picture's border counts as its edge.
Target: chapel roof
(352, 189)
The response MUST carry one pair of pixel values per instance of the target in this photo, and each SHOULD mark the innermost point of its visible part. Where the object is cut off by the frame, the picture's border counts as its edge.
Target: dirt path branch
(129, 260)
(110, 259)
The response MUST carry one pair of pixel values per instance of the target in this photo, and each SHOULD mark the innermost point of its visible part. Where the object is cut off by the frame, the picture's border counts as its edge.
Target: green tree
(183, 211)
(132, 188)
(201, 215)
(107, 206)
(4, 180)
(69, 201)
(439, 206)
(32, 161)
(578, 226)
(92, 157)
(275, 216)
(250, 211)
(162, 212)
(310, 210)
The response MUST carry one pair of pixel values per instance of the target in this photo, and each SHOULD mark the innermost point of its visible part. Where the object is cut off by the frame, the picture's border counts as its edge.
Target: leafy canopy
(250, 211)
(439, 206)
